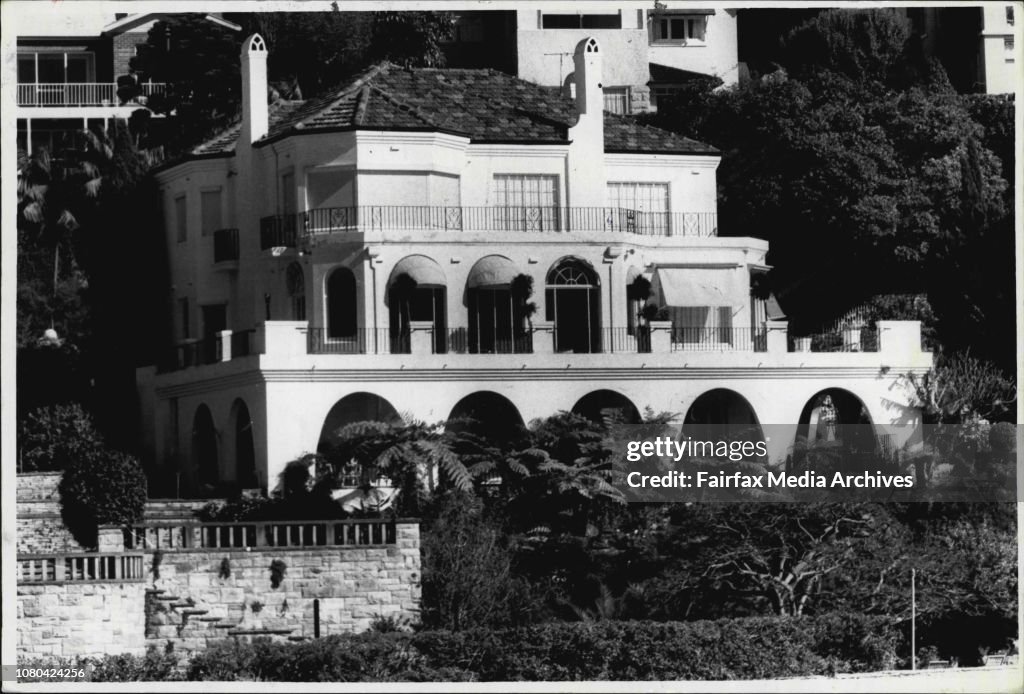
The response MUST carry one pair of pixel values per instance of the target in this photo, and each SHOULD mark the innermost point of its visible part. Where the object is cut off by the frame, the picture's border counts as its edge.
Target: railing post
(778, 336)
(225, 344)
(421, 336)
(661, 336)
(543, 337)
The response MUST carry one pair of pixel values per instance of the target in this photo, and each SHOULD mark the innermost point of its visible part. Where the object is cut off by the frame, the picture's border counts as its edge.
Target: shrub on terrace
(102, 487)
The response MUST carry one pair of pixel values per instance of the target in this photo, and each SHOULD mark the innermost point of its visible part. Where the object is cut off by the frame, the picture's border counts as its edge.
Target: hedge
(751, 648)
(726, 649)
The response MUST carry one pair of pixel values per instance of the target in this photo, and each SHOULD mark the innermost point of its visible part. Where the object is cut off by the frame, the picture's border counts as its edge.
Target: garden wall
(81, 619)
(40, 529)
(208, 594)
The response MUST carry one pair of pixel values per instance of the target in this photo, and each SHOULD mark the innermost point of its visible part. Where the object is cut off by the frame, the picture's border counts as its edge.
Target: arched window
(341, 304)
(496, 318)
(417, 291)
(573, 303)
(296, 284)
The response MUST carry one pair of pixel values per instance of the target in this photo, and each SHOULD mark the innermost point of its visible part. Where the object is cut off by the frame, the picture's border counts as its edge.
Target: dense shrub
(762, 647)
(154, 666)
(104, 487)
(52, 438)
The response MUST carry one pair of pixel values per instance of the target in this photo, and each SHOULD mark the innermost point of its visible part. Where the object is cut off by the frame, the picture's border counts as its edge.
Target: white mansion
(368, 254)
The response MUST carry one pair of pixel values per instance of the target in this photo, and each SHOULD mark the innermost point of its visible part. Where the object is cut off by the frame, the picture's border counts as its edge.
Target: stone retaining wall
(198, 603)
(81, 619)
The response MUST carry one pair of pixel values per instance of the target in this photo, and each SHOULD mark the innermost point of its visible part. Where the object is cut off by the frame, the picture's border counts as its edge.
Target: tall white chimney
(587, 185)
(587, 65)
(255, 119)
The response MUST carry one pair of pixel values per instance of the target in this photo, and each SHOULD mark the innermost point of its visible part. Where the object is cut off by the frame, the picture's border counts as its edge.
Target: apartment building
(75, 74)
(368, 255)
(651, 51)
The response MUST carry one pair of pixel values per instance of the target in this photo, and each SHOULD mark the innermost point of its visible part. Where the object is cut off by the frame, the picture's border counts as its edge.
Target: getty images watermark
(793, 463)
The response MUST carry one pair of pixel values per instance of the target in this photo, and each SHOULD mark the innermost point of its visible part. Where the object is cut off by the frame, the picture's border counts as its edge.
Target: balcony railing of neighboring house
(278, 231)
(225, 245)
(81, 94)
(80, 567)
(720, 339)
(193, 536)
(335, 220)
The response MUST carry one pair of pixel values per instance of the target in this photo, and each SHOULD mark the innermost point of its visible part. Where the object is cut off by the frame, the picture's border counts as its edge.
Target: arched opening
(357, 407)
(417, 291)
(573, 303)
(488, 415)
(722, 415)
(204, 450)
(496, 315)
(295, 281)
(342, 320)
(835, 431)
(245, 447)
(599, 405)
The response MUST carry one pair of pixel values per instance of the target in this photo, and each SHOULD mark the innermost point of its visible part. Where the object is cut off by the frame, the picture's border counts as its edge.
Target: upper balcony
(285, 230)
(81, 94)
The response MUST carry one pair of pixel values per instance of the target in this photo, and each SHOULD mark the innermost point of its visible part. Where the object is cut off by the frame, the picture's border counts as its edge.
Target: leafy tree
(101, 487)
(53, 438)
(960, 388)
(198, 60)
(467, 567)
(864, 157)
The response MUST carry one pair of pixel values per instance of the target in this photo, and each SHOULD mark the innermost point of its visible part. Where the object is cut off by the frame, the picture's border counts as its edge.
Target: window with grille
(1009, 15)
(525, 202)
(639, 208)
(616, 100)
(679, 28)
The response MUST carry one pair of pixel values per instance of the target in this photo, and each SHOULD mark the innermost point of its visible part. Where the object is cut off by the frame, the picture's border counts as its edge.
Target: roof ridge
(361, 80)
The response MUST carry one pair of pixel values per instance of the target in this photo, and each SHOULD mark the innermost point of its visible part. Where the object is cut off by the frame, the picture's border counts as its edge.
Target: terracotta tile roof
(484, 105)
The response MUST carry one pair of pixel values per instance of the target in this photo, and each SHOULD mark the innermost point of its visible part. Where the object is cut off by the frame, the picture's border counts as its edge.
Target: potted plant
(648, 312)
(521, 288)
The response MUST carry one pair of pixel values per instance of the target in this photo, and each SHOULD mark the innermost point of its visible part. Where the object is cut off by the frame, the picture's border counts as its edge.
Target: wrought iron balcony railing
(280, 230)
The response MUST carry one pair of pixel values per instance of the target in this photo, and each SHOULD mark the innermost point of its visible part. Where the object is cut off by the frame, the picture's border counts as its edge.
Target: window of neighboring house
(288, 193)
(53, 67)
(661, 97)
(1009, 15)
(581, 21)
(181, 218)
(616, 100)
(679, 28)
(526, 202)
(211, 209)
(639, 208)
(1008, 44)
(296, 281)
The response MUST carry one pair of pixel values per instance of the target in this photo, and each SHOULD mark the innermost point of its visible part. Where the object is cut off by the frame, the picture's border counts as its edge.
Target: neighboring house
(650, 52)
(360, 256)
(976, 44)
(76, 76)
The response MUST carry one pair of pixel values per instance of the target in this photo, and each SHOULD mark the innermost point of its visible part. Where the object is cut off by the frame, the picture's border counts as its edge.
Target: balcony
(281, 230)
(223, 346)
(81, 94)
(225, 246)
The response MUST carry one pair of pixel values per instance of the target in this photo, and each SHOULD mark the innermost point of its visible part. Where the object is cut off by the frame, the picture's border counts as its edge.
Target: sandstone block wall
(39, 525)
(81, 619)
(201, 598)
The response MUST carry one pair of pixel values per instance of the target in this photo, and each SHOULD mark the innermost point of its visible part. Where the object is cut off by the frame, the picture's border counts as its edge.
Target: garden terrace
(260, 535)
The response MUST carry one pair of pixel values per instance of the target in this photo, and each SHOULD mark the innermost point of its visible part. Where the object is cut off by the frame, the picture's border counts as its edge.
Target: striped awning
(492, 271)
(424, 270)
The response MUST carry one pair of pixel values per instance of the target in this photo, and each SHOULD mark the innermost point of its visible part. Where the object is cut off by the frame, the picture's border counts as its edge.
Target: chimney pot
(255, 114)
